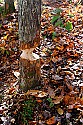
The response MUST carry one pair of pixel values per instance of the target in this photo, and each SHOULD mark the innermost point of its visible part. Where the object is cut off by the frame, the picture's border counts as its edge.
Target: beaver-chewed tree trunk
(29, 38)
(9, 6)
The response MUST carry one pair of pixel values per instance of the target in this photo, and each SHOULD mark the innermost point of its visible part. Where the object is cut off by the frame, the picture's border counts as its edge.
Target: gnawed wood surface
(30, 73)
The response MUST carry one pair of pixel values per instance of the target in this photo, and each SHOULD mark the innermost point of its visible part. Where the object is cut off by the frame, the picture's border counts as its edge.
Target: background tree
(9, 6)
(29, 37)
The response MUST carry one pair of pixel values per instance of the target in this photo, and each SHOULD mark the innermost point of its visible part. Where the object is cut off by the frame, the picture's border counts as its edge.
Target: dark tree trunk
(9, 6)
(29, 37)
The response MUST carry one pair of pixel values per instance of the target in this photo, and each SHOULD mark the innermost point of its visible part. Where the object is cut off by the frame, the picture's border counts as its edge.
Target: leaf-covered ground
(59, 98)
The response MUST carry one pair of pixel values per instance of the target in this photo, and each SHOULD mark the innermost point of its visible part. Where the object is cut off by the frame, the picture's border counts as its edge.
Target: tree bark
(29, 20)
(29, 38)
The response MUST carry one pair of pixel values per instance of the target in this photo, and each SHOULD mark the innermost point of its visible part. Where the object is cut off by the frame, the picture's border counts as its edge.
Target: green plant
(54, 34)
(69, 26)
(51, 104)
(27, 111)
(57, 11)
(58, 20)
(1, 9)
(59, 23)
(4, 51)
(55, 18)
(70, 15)
(0, 25)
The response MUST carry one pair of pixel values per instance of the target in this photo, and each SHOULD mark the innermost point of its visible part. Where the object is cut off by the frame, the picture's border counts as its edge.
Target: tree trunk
(9, 6)
(29, 37)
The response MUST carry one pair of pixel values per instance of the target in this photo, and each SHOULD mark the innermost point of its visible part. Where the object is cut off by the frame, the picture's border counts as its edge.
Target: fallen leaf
(1, 110)
(56, 77)
(66, 99)
(32, 122)
(11, 90)
(39, 101)
(58, 123)
(70, 106)
(5, 37)
(60, 111)
(32, 92)
(16, 74)
(36, 56)
(58, 99)
(51, 121)
(0, 79)
(41, 94)
(51, 92)
(37, 93)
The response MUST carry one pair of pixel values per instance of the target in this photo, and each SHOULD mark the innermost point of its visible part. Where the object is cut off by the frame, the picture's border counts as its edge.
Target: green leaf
(51, 104)
(2, 50)
(54, 19)
(58, 23)
(69, 26)
(70, 15)
(0, 25)
(7, 52)
(49, 99)
(62, 25)
(44, 36)
(54, 34)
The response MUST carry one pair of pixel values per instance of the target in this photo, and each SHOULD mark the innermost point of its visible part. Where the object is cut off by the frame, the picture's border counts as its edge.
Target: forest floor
(58, 100)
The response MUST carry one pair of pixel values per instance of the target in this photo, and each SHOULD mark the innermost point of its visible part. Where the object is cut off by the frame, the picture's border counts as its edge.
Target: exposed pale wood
(29, 68)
